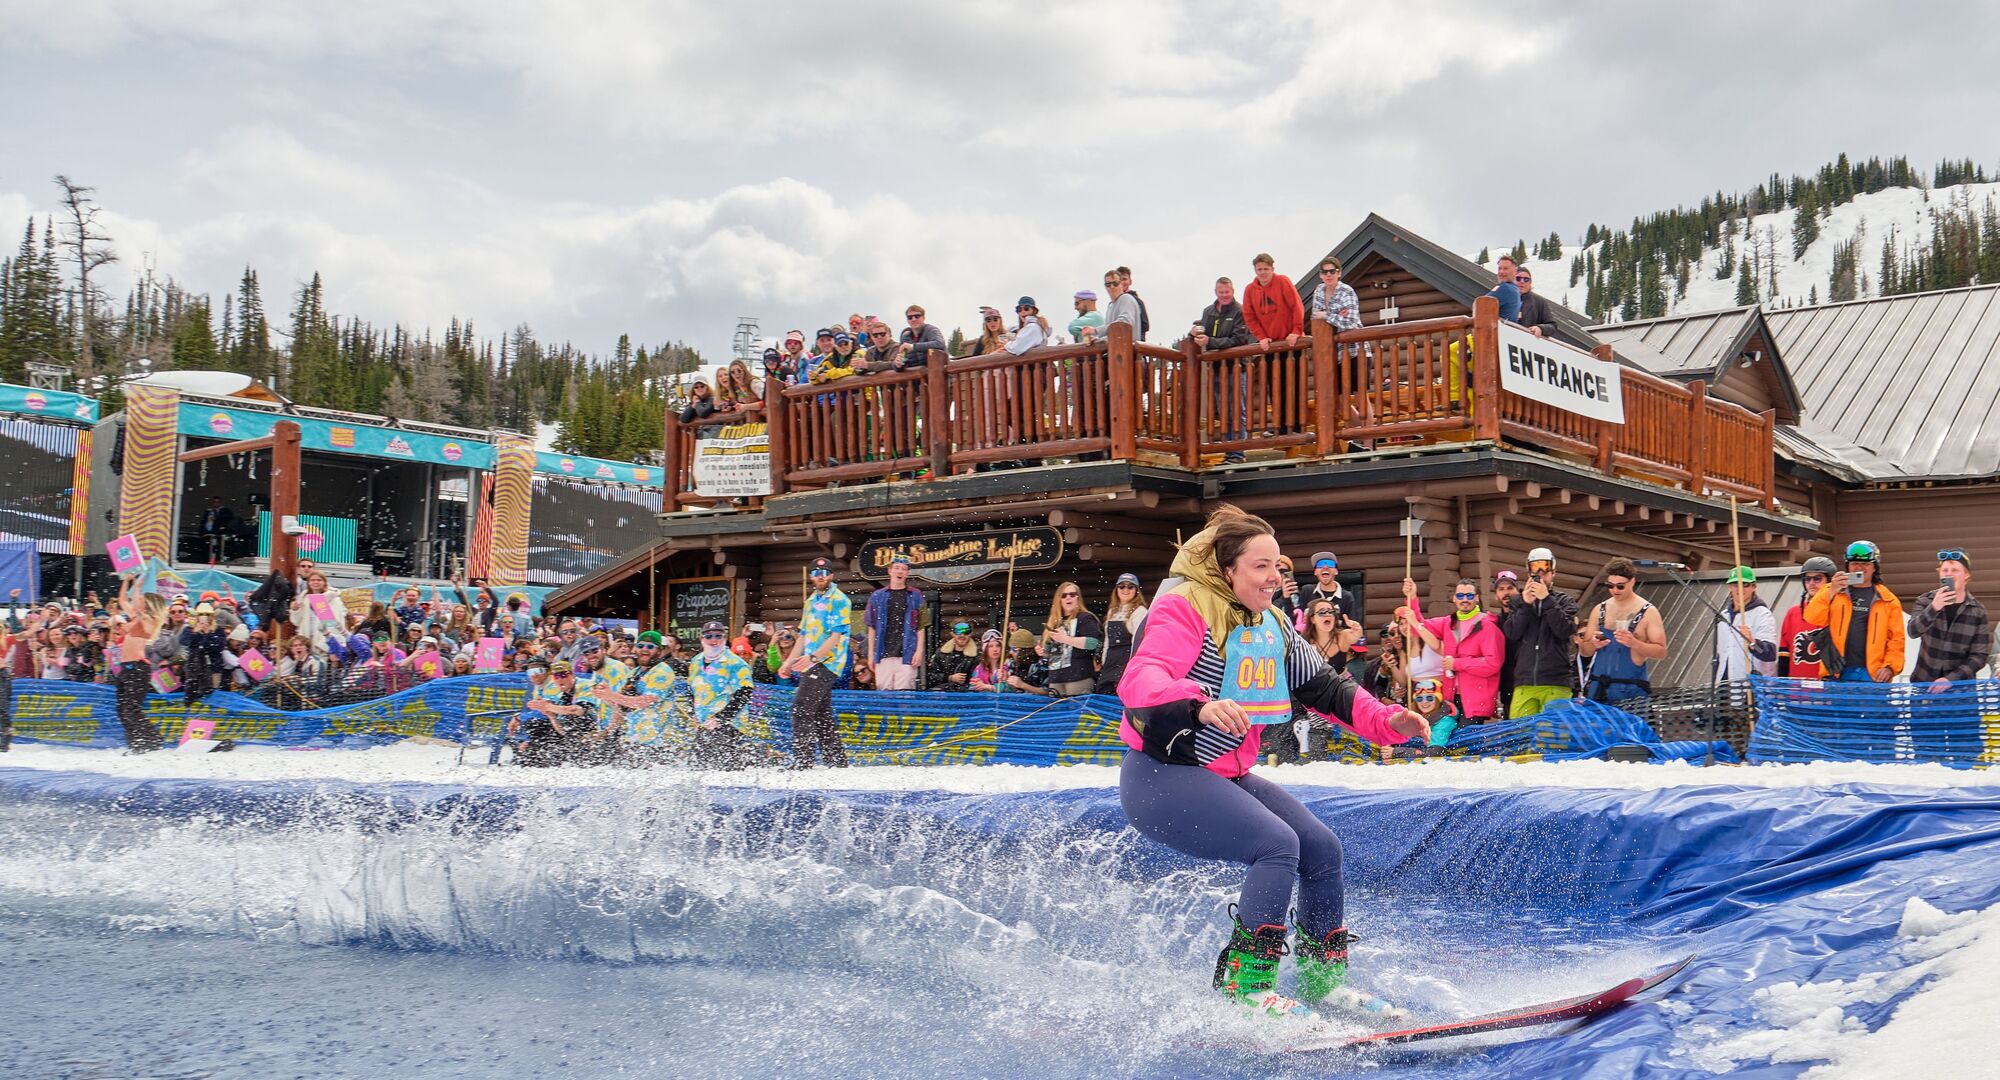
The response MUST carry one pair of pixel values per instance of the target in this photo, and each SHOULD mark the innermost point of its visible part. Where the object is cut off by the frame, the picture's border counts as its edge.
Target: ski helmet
(1863, 551)
(1819, 564)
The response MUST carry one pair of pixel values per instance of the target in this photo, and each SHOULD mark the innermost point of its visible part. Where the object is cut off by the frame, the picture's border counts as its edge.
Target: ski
(1581, 1007)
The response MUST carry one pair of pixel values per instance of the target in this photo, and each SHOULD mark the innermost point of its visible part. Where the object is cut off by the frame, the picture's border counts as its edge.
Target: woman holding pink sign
(318, 612)
(144, 613)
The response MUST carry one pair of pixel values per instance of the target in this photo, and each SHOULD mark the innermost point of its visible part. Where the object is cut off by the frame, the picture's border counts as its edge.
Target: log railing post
(1326, 388)
(937, 414)
(1486, 368)
(778, 430)
(1190, 386)
(1769, 450)
(1607, 432)
(1124, 376)
(1697, 445)
(676, 483)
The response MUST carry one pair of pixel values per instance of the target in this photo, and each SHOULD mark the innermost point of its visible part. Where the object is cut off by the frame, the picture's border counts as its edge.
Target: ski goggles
(1862, 552)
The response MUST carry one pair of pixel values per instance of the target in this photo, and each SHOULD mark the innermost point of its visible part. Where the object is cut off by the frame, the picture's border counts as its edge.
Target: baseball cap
(986, 311)
(1324, 557)
(1027, 302)
(538, 669)
(713, 627)
(899, 559)
(591, 644)
(382, 638)
(772, 356)
(820, 566)
(796, 335)
(427, 640)
(843, 338)
(1085, 294)
(561, 667)
(650, 637)
(1743, 575)
(824, 332)
(204, 608)
(1127, 579)
(1506, 575)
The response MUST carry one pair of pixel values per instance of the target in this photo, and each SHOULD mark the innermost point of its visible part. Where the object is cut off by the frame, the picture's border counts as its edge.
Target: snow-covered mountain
(1910, 214)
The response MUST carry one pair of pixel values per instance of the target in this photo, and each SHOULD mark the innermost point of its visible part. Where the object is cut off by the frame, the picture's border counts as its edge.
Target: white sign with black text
(1560, 375)
(733, 461)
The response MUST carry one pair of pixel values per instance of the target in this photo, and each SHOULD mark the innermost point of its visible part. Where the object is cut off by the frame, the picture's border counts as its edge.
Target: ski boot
(1247, 970)
(1322, 978)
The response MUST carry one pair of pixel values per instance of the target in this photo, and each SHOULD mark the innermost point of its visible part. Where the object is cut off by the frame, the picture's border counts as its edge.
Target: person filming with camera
(1865, 618)
(1955, 638)
(1538, 633)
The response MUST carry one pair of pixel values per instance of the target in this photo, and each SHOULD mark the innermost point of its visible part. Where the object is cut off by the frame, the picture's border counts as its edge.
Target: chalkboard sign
(691, 603)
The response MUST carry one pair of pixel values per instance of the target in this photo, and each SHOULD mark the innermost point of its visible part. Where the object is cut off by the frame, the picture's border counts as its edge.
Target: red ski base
(1582, 1007)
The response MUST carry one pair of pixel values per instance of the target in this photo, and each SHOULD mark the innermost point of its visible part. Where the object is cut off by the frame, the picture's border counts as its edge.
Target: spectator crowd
(1505, 648)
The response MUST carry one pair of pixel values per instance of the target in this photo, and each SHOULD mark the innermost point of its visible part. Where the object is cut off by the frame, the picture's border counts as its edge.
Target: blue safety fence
(1814, 720)
(1565, 731)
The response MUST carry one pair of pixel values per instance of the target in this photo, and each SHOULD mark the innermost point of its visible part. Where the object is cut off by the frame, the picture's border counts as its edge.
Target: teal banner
(578, 467)
(326, 539)
(54, 404)
(364, 440)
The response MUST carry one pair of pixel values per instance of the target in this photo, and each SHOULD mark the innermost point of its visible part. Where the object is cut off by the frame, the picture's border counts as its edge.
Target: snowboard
(1580, 1008)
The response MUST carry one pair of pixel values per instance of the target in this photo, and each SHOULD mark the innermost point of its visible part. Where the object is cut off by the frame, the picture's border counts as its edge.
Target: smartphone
(1945, 584)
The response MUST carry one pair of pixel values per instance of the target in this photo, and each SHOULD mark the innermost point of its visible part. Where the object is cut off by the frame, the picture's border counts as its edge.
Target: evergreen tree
(192, 342)
(1805, 223)
(1485, 256)
(1746, 284)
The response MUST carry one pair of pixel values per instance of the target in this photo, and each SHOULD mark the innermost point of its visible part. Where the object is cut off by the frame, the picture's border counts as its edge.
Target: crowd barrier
(1812, 720)
(1797, 721)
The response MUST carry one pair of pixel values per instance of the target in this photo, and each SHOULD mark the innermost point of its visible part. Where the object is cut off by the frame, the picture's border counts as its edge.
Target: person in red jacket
(1276, 317)
(1817, 571)
(1474, 649)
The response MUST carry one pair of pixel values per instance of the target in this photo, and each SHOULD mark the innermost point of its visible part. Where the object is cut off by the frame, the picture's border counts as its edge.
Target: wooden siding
(1913, 525)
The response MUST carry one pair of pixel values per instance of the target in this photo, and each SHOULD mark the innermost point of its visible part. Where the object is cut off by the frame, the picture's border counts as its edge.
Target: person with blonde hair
(1121, 628)
(1070, 639)
(308, 622)
(145, 614)
(1214, 667)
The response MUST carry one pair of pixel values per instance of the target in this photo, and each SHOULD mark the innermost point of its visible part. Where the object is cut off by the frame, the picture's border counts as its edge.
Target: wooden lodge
(1116, 447)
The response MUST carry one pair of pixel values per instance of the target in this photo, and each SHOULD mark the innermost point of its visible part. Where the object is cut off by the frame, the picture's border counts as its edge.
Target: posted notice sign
(1560, 375)
(733, 461)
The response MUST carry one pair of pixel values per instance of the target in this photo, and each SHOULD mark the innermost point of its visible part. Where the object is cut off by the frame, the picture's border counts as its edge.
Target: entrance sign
(956, 558)
(1560, 376)
(733, 460)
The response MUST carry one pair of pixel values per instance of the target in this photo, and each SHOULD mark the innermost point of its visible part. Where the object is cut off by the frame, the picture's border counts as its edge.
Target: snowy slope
(1871, 217)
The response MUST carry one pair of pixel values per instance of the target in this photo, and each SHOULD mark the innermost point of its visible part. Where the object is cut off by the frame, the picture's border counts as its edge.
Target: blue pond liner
(1768, 885)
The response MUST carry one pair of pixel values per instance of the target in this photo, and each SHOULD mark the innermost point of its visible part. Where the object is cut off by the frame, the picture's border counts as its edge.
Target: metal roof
(1702, 346)
(1913, 381)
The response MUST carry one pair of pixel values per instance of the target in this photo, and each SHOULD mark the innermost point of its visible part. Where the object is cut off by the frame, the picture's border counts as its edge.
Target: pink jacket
(1163, 672)
(1475, 662)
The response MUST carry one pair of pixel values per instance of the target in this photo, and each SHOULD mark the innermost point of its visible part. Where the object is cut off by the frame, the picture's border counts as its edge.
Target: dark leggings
(1246, 820)
(814, 727)
(134, 680)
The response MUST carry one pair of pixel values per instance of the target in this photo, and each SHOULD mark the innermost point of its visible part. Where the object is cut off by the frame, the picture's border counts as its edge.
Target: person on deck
(1535, 312)
(1506, 290)
(1212, 665)
(1951, 623)
(1797, 638)
(818, 658)
(1628, 636)
(1221, 327)
(1538, 632)
(1088, 319)
(1748, 643)
(1871, 646)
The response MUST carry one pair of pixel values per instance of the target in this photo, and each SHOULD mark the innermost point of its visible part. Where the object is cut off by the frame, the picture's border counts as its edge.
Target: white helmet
(1541, 554)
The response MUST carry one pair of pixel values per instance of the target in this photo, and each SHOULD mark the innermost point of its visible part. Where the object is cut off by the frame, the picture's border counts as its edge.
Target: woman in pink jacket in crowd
(1473, 646)
(1214, 663)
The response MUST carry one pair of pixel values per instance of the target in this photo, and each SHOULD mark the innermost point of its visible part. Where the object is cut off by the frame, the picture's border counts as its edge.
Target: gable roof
(1449, 272)
(1703, 345)
(1912, 381)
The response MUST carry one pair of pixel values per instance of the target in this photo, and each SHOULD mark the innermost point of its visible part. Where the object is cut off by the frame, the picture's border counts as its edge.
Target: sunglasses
(1070, 595)
(1617, 586)
(878, 333)
(992, 318)
(715, 637)
(914, 316)
(1324, 613)
(1018, 309)
(1951, 555)
(1465, 596)
(1123, 585)
(1328, 273)
(1523, 279)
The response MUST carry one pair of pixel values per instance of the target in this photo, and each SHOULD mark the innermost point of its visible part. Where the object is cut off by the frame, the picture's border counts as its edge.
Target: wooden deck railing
(1427, 381)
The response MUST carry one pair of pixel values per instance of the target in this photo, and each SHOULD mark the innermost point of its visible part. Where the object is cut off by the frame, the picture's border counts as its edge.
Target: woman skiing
(1213, 663)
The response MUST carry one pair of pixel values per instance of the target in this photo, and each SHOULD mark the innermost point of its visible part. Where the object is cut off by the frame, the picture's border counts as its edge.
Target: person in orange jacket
(1871, 648)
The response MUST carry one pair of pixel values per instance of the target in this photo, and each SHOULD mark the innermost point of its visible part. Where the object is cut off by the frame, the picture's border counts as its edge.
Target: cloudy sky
(660, 167)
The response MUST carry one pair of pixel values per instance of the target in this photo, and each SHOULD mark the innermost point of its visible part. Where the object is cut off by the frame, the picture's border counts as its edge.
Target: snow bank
(435, 763)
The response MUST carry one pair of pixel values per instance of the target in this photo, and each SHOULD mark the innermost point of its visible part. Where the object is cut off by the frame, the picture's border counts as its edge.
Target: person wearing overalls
(1623, 640)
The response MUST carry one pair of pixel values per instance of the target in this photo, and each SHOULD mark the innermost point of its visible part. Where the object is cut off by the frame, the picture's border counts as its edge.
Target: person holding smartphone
(1538, 633)
(1955, 637)
(1865, 617)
